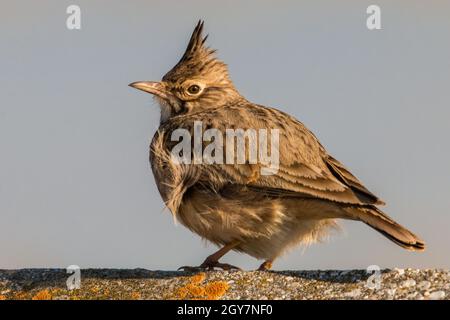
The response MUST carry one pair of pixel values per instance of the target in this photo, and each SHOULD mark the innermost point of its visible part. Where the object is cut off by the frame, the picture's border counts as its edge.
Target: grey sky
(75, 183)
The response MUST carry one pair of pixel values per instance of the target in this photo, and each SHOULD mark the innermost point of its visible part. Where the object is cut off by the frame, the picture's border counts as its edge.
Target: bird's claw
(209, 266)
(190, 268)
(265, 266)
(223, 266)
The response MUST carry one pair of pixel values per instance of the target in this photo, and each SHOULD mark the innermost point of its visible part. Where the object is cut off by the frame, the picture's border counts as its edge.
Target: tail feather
(381, 222)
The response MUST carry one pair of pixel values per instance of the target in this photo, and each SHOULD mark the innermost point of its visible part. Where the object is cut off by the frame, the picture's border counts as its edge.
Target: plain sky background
(75, 182)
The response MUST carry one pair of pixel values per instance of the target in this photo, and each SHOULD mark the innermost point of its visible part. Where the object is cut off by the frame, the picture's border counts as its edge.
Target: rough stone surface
(41, 284)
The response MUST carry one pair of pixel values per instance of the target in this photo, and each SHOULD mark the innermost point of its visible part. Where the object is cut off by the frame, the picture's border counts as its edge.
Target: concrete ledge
(41, 284)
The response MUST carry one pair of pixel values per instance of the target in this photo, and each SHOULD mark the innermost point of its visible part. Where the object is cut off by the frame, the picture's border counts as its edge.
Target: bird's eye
(194, 89)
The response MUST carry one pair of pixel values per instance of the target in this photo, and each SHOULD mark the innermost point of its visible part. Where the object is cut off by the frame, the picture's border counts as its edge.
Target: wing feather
(305, 169)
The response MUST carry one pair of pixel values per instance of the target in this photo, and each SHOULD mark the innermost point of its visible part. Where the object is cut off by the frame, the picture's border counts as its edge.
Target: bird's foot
(209, 266)
(265, 266)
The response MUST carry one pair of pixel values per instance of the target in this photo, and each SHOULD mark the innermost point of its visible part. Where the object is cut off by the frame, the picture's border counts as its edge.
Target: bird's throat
(167, 110)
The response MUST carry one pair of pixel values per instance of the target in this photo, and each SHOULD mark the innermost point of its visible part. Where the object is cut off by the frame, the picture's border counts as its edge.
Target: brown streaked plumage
(227, 204)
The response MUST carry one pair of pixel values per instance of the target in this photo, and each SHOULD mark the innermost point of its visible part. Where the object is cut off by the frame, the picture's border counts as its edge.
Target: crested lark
(233, 205)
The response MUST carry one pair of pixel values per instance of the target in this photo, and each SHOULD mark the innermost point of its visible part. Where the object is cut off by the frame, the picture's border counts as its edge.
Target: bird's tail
(381, 222)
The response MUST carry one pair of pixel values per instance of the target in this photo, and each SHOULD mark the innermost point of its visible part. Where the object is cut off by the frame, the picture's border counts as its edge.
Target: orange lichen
(182, 292)
(42, 295)
(198, 278)
(2, 297)
(95, 289)
(20, 296)
(135, 295)
(216, 289)
(194, 291)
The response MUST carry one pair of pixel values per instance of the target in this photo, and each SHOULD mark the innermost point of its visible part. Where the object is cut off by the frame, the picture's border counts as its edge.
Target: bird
(233, 205)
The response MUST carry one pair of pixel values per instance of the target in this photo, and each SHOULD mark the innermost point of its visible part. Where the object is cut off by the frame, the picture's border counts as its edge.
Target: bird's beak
(153, 87)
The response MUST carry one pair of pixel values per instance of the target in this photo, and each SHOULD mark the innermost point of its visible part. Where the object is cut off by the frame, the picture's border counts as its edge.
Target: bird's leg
(266, 265)
(212, 261)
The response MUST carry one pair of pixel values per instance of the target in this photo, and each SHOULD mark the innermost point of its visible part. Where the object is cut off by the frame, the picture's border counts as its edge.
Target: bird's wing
(346, 177)
(305, 169)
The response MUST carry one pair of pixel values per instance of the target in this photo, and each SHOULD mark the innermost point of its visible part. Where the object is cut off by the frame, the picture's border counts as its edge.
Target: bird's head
(197, 82)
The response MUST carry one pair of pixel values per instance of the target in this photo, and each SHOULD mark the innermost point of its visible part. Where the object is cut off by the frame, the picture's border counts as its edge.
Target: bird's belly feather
(265, 227)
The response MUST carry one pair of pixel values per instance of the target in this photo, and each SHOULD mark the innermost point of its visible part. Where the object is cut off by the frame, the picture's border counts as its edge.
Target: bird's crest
(197, 60)
(196, 46)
